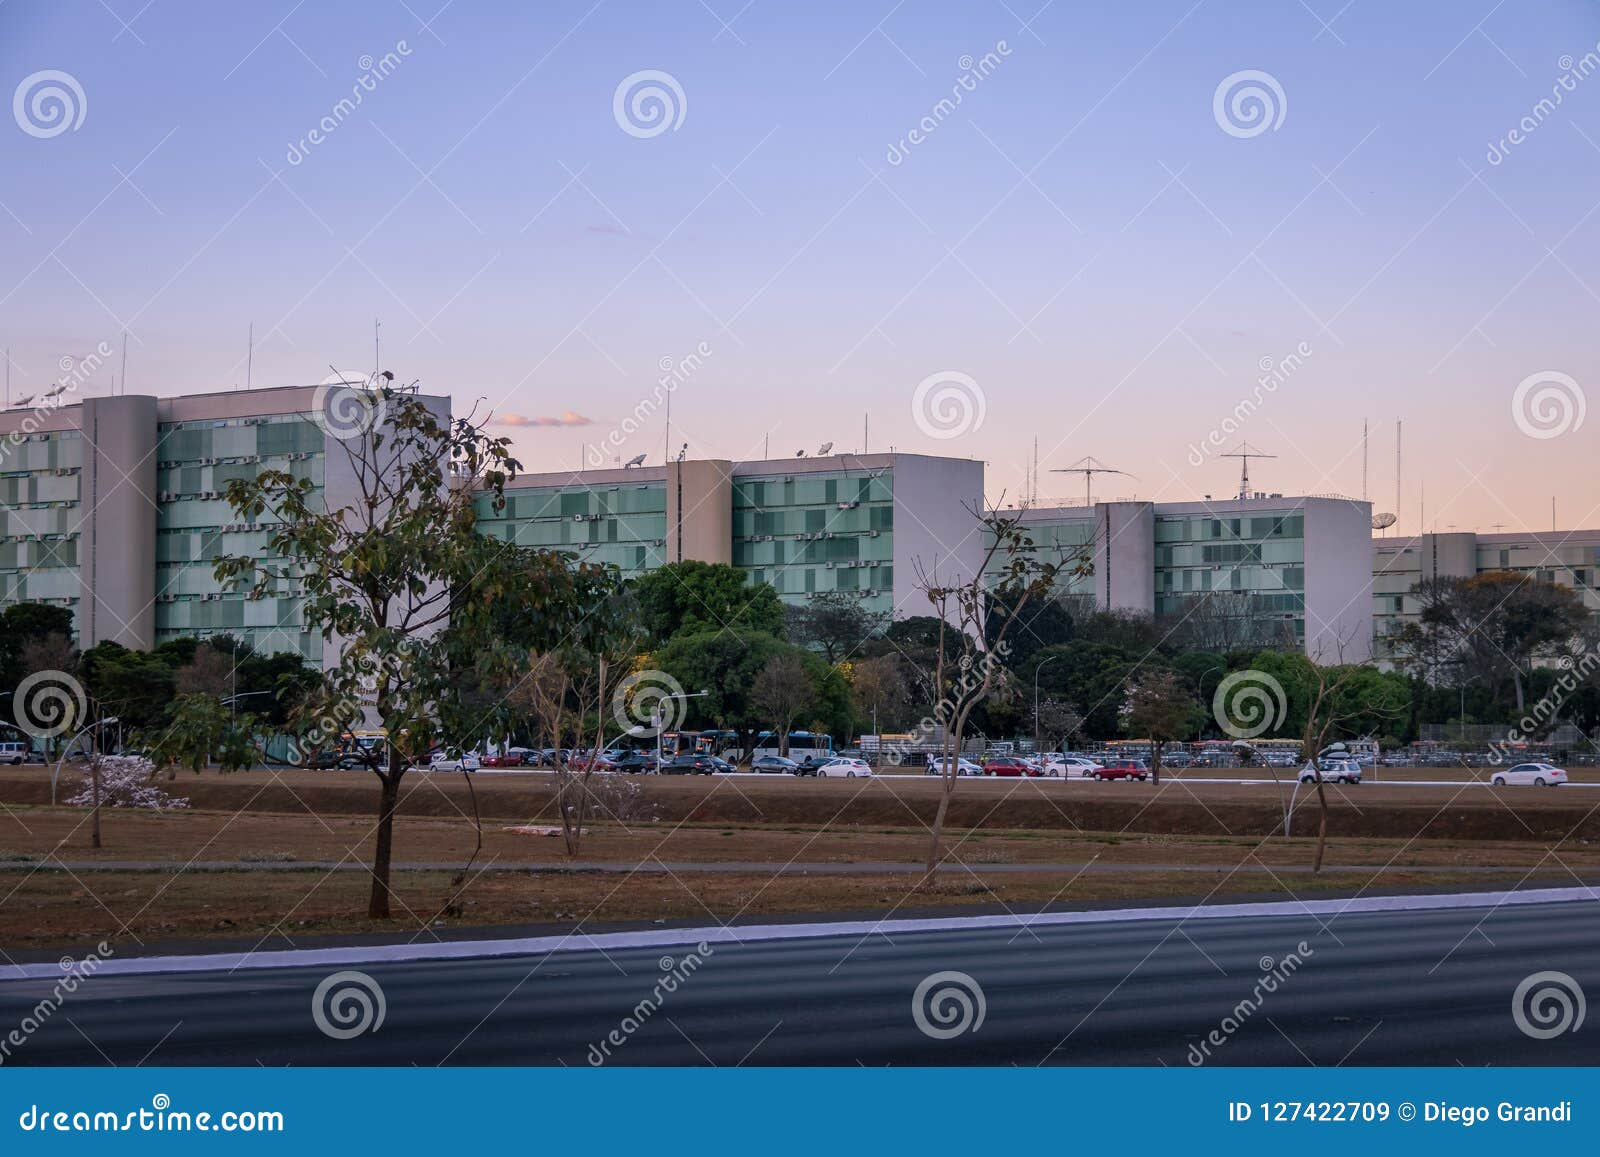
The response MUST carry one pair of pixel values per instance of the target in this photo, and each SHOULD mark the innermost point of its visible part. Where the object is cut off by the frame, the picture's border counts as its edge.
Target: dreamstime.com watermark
(674, 974)
(48, 103)
(1249, 102)
(674, 372)
(973, 73)
(373, 72)
(948, 404)
(1547, 1004)
(1573, 72)
(1273, 375)
(347, 1004)
(948, 1004)
(160, 1117)
(75, 972)
(1548, 404)
(649, 102)
(76, 371)
(1249, 703)
(1574, 675)
(1274, 974)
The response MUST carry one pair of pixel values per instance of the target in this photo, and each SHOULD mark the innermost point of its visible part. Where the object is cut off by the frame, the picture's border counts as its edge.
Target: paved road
(1372, 987)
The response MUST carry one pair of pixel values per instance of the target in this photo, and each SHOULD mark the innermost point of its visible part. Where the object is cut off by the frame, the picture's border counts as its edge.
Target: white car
(1332, 771)
(1071, 766)
(1532, 774)
(963, 767)
(845, 768)
(453, 759)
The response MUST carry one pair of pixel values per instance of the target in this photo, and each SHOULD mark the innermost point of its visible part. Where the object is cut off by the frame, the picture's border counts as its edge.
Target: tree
(836, 623)
(20, 625)
(211, 672)
(1492, 626)
(399, 579)
(201, 728)
(123, 781)
(1058, 722)
(878, 689)
(967, 661)
(1162, 708)
(782, 693)
(692, 597)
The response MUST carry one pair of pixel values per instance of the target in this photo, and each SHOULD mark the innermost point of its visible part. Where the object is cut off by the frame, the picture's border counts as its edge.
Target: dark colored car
(1009, 765)
(690, 765)
(775, 765)
(325, 760)
(633, 762)
(1122, 769)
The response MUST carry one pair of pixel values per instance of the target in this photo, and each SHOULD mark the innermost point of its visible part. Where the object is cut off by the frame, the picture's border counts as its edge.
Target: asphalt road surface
(1431, 987)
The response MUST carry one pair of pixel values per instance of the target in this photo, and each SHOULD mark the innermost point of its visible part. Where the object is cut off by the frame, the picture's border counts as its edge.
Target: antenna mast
(1244, 452)
(1089, 467)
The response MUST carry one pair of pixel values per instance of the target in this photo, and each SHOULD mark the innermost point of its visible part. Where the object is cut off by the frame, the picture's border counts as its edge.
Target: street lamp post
(1037, 668)
(657, 720)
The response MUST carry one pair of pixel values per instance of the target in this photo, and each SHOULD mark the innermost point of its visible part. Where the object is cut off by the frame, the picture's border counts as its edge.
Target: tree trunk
(936, 833)
(1155, 763)
(388, 799)
(1516, 678)
(94, 779)
(1322, 826)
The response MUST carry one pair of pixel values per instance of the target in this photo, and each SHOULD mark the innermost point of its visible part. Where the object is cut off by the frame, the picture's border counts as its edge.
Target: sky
(1095, 248)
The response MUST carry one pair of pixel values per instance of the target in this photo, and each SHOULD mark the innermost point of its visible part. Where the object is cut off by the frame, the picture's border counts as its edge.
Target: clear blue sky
(1079, 236)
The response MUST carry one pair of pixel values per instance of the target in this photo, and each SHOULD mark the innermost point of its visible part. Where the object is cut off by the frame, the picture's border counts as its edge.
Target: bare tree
(968, 659)
(1058, 722)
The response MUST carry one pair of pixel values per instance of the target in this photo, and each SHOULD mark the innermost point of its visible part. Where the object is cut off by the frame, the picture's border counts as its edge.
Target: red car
(510, 759)
(1009, 765)
(1122, 769)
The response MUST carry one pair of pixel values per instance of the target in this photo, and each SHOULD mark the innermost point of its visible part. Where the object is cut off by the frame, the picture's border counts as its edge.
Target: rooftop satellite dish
(635, 461)
(799, 453)
(824, 450)
(54, 392)
(23, 401)
(1382, 521)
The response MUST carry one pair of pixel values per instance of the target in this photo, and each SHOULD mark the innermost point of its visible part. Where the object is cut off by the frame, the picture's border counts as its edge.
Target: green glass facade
(1259, 555)
(195, 524)
(40, 479)
(623, 524)
(816, 533)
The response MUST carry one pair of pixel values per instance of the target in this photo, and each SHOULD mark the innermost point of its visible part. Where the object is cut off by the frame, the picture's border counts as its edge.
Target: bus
(803, 746)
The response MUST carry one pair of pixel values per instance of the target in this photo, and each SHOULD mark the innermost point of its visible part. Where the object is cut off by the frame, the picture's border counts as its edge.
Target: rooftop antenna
(866, 421)
(377, 359)
(1397, 474)
(8, 376)
(124, 374)
(1089, 467)
(666, 444)
(1244, 452)
(1363, 460)
(249, 357)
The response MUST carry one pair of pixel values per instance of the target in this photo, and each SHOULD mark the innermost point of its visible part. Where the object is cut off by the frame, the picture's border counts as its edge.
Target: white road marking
(678, 937)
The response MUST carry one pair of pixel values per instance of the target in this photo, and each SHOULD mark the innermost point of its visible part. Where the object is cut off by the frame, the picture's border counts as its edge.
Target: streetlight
(1036, 670)
(656, 719)
(55, 775)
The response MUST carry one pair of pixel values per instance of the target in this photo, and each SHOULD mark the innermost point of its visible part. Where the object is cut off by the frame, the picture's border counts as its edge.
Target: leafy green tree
(1161, 707)
(692, 597)
(200, 728)
(135, 686)
(837, 623)
(399, 578)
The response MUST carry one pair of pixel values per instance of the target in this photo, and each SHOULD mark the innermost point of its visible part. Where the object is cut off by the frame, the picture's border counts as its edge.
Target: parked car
(1009, 765)
(1176, 759)
(775, 765)
(633, 762)
(1332, 770)
(14, 753)
(1070, 766)
(845, 768)
(1530, 774)
(454, 759)
(1122, 769)
(327, 759)
(588, 761)
(511, 758)
(690, 763)
(963, 766)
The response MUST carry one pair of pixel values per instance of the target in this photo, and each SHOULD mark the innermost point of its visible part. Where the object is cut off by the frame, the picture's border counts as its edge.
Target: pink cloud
(568, 418)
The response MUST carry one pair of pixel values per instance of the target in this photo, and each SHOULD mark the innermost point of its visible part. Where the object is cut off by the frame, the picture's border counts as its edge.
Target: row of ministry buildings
(113, 506)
